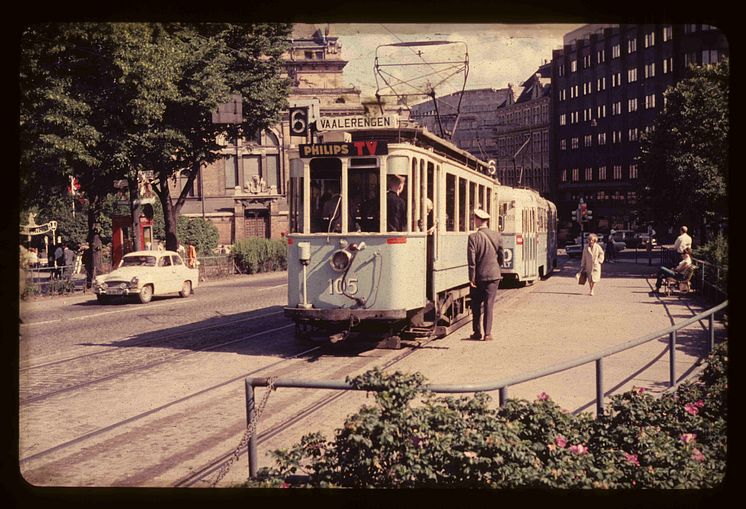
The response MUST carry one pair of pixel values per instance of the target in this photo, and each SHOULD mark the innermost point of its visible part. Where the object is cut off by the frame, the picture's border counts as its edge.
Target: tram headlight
(340, 260)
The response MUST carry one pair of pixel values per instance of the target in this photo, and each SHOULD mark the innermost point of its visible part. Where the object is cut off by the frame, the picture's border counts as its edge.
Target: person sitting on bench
(679, 272)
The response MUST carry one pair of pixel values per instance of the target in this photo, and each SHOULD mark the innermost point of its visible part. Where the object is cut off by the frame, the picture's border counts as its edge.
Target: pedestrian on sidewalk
(484, 256)
(593, 257)
(610, 248)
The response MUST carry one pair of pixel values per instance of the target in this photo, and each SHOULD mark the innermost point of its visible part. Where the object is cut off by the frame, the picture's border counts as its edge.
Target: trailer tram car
(349, 272)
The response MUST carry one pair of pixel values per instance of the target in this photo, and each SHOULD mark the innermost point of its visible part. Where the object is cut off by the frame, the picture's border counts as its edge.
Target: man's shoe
(488, 337)
(475, 336)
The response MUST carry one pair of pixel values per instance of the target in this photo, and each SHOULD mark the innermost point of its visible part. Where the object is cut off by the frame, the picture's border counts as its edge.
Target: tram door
(530, 241)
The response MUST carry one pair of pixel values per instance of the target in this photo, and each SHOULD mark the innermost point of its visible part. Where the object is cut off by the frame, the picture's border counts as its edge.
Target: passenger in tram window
(369, 217)
(429, 214)
(396, 207)
(332, 211)
(484, 257)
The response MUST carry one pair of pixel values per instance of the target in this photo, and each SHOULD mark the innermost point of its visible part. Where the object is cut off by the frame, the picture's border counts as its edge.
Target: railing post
(599, 387)
(502, 396)
(711, 322)
(672, 357)
(250, 414)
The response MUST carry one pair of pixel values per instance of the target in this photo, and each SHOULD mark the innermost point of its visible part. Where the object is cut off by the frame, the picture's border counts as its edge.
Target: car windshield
(138, 261)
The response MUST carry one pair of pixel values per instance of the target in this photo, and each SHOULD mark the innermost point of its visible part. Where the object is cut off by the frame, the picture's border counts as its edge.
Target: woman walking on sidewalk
(590, 263)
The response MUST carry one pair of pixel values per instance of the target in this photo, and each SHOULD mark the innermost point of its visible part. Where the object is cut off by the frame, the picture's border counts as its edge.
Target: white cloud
(498, 54)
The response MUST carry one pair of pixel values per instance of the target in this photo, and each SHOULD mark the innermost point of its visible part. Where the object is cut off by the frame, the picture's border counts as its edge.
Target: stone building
(244, 193)
(607, 89)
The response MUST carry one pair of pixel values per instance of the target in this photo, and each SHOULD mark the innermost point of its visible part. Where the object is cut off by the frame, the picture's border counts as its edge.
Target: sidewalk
(555, 321)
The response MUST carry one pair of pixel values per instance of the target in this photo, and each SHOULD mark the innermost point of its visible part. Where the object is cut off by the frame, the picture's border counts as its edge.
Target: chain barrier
(250, 429)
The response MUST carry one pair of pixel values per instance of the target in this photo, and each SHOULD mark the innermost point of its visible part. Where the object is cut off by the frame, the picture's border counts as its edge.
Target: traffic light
(588, 215)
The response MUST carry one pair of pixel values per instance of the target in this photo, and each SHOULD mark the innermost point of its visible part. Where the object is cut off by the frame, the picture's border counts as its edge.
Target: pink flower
(698, 456)
(639, 390)
(691, 408)
(470, 454)
(542, 396)
(632, 458)
(578, 449)
(560, 441)
(699, 403)
(688, 438)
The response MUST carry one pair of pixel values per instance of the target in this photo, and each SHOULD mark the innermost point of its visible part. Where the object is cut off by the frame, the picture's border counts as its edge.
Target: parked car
(643, 239)
(145, 274)
(625, 236)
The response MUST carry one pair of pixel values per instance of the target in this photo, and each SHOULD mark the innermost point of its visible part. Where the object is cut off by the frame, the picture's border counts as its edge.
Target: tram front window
(364, 203)
(326, 200)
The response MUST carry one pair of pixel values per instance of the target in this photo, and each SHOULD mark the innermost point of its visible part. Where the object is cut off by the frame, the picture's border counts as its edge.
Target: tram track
(163, 359)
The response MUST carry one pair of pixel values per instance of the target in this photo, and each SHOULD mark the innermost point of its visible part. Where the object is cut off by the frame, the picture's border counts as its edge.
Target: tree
(215, 60)
(684, 159)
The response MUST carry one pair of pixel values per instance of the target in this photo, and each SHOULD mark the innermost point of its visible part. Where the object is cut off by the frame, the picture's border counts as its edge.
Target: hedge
(410, 438)
(256, 254)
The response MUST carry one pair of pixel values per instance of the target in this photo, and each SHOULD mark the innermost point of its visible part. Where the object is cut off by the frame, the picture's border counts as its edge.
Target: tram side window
(326, 200)
(473, 204)
(462, 205)
(450, 202)
(396, 203)
(364, 200)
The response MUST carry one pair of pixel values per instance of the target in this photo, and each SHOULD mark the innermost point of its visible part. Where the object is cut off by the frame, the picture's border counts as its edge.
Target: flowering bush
(411, 438)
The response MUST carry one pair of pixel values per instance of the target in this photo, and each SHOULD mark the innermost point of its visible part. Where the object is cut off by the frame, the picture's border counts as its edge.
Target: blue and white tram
(347, 269)
(528, 228)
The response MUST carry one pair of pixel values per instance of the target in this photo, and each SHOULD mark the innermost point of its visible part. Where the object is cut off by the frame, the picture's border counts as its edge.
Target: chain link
(250, 429)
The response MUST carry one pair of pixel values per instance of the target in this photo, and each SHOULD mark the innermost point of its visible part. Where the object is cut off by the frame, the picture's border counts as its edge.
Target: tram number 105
(340, 287)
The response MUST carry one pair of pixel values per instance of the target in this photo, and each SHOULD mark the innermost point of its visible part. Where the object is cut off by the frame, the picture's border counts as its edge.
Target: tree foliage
(684, 159)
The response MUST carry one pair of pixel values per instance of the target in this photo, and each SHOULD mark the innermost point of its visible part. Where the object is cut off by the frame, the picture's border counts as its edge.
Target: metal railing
(500, 385)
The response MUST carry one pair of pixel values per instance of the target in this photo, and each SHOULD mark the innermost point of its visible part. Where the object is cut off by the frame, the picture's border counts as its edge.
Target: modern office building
(607, 89)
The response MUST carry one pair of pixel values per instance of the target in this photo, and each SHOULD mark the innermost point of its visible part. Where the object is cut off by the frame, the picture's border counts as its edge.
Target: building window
(573, 66)
(615, 51)
(616, 79)
(588, 140)
(587, 61)
(575, 174)
(602, 138)
(650, 101)
(602, 173)
(632, 134)
(601, 56)
(587, 88)
(631, 75)
(690, 28)
(231, 172)
(574, 116)
(561, 69)
(601, 84)
(667, 65)
(616, 108)
(631, 197)
(650, 70)
(601, 110)
(690, 59)
(563, 119)
(632, 105)
(616, 136)
(617, 172)
(588, 174)
(574, 143)
(633, 171)
(564, 175)
(563, 144)
(632, 45)
(649, 39)
(667, 33)
(709, 57)
(562, 95)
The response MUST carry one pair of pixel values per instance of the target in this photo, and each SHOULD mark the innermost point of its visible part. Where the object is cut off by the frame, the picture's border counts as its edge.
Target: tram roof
(422, 137)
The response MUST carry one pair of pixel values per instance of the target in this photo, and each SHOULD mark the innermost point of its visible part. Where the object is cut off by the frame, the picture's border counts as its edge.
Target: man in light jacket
(683, 241)
(484, 256)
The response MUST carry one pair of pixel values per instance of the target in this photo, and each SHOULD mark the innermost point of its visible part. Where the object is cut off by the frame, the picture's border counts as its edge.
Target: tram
(352, 268)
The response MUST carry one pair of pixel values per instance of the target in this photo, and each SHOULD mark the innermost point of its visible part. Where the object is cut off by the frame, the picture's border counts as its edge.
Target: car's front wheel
(186, 289)
(102, 299)
(146, 294)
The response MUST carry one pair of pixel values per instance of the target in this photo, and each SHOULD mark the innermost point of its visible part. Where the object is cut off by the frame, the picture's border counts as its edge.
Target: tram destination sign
(341, 149)
(356, 122)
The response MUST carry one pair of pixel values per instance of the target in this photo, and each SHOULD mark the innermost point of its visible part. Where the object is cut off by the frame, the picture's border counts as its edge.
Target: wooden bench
(680, 286)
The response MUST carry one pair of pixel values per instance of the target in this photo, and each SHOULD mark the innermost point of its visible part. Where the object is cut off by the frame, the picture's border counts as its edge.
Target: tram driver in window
(396, 207)
(332, 211)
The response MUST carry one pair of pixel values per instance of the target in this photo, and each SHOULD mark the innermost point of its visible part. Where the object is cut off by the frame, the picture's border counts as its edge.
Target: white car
(147, 273)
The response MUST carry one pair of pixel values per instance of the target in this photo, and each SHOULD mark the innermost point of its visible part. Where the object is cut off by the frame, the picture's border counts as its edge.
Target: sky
(498, 54)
